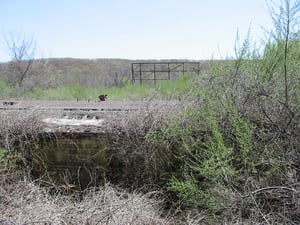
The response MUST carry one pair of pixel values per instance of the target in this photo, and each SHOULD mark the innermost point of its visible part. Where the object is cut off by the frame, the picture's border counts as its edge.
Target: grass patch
(63, 93)
(5, 89)
(161, 90)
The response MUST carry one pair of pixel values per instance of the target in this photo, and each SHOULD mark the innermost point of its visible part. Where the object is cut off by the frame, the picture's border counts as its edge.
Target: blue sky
(133, 29)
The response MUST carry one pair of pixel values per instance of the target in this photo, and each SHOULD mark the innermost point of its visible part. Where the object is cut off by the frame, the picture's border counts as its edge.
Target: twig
(271, 188)
(260, 212)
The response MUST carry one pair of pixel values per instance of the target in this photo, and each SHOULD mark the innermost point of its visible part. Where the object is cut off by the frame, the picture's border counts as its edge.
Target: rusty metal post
(132, 74)
(169, 72)
(140, 73)
(154, 73)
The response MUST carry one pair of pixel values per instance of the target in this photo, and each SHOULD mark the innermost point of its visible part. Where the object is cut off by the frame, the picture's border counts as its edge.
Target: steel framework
(153, 71)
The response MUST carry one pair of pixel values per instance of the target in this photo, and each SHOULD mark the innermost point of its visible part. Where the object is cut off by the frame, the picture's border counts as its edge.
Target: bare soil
(82, 104)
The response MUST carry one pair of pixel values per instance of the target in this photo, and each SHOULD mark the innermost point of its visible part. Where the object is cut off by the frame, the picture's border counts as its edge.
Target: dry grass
(19, 129)
(24, 202)
(144, 162)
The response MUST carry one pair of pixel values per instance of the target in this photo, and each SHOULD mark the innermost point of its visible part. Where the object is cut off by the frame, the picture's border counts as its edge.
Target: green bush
(239, 137)
(5, 90)
(210, 154)
(7, 158)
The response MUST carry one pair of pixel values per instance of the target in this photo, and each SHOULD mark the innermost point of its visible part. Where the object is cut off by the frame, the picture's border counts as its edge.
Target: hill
(60, 72)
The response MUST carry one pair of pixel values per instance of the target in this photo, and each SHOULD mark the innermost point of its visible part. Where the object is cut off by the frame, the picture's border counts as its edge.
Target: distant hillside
(58, 72)
(48, 73)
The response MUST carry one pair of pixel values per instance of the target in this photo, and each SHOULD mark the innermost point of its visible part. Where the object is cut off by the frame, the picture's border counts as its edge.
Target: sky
(132, 29)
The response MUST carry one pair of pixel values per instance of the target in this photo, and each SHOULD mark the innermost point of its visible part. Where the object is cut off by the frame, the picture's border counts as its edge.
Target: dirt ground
(83, 104)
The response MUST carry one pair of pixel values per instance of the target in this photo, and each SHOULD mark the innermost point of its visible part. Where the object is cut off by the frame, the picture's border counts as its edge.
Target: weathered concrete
(78, 159)
(76, 146)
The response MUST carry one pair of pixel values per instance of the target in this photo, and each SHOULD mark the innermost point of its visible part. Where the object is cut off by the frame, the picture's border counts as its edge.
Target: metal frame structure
(154, 71)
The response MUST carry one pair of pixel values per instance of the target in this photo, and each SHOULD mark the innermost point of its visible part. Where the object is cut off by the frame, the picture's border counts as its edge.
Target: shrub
(241, 132)
(18, 134)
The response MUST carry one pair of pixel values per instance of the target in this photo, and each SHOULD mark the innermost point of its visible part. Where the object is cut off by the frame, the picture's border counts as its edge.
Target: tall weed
(242, 133)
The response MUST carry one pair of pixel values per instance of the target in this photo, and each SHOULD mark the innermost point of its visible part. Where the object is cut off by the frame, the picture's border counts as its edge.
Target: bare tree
(22, 53)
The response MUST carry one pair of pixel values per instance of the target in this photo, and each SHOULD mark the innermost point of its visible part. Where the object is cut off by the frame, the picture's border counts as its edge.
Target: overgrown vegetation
(25, 202)
(229, 152)
(239, 142)
(162, 90)
(165, 90)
